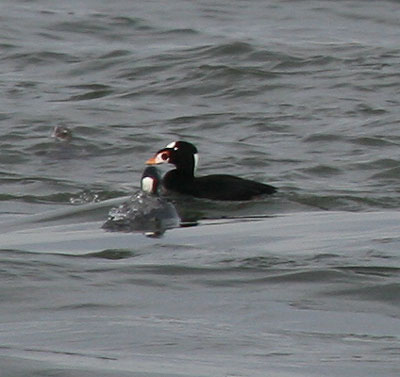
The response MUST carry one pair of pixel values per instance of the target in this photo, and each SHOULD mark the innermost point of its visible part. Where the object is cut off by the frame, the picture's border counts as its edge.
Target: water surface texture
(303, 95)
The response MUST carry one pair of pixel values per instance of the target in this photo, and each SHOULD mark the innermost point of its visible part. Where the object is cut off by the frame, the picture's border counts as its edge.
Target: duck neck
(188, 167)
(179, 180)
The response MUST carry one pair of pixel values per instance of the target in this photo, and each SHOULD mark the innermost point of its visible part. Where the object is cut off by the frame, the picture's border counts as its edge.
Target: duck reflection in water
(145, 211)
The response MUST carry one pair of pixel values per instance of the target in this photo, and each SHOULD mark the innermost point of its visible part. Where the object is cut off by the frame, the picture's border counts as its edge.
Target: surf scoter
(145, 210)
(216, 187)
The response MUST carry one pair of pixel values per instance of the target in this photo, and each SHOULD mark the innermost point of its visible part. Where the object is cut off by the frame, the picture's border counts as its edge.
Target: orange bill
(151, 161)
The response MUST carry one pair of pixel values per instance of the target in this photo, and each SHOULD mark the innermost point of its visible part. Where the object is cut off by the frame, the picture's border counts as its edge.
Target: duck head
(179, 153)
(150, 180)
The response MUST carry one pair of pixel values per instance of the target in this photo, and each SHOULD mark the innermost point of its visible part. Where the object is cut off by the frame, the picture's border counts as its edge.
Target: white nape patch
(147, 184)
(171, 145)
(195, 161)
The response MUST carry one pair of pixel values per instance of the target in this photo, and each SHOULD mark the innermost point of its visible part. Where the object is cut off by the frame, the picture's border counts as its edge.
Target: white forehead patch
(147, 184)
(196, 161)
(171, 145)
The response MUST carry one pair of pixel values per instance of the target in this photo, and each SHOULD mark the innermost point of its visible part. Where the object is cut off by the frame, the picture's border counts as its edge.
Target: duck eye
(164, 156)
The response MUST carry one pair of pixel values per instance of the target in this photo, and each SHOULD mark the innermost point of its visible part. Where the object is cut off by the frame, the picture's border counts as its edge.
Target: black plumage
(216, 187)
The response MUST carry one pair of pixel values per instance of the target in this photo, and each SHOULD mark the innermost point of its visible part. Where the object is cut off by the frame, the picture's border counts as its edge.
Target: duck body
(215, 187)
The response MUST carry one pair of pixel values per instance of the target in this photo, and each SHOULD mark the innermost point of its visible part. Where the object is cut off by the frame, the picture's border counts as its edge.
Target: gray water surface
(303, 95)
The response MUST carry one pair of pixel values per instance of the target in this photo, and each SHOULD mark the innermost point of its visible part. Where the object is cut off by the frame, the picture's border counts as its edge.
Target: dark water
(303, 95)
